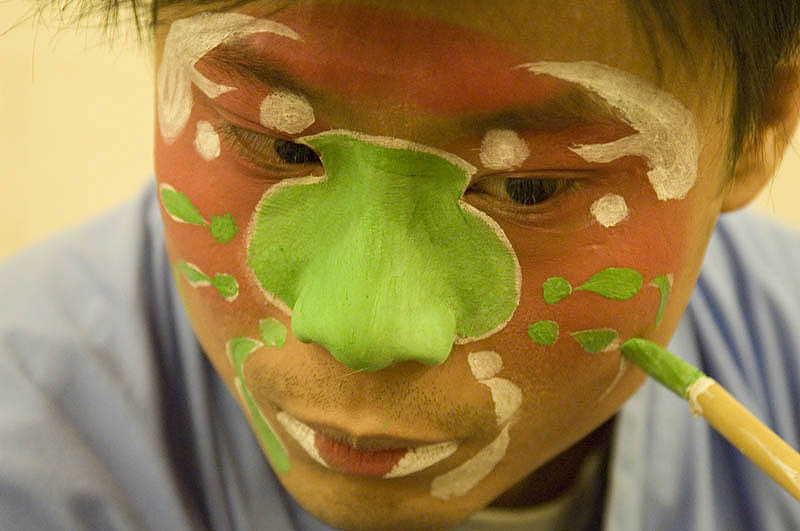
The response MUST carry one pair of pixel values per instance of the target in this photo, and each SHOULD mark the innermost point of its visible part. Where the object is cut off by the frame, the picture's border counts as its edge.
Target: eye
(521, 191)
(275, 155)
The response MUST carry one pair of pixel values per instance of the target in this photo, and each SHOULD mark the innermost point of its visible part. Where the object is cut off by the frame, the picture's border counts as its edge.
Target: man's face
(410, 239)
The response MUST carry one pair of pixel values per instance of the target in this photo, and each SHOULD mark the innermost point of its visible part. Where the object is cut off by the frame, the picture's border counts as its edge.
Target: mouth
(371, 457)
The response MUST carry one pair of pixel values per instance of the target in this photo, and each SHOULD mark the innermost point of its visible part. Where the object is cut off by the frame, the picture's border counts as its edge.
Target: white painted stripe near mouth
(414, 460)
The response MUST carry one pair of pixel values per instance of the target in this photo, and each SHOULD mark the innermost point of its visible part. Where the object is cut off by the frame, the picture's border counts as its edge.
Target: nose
(379, 261)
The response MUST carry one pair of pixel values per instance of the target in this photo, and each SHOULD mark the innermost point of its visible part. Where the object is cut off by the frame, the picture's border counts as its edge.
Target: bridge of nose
(378, 261)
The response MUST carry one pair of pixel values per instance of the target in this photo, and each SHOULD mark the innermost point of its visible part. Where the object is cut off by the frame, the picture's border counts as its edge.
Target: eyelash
(275, 155)
(514, 193)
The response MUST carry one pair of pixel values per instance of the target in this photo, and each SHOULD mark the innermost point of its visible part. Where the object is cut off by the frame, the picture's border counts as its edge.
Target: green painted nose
(379, 261)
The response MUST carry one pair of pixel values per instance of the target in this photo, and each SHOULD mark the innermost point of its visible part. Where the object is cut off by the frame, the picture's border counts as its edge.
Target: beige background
(76, 129)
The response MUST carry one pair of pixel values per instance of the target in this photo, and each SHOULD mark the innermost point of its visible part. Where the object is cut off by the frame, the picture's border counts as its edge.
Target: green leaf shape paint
(225, 284)
(239, 349)
(543, 332)
(595, 341)
(555, 289)
(181, 209)
(674, 373)
(223, 228)
(664, 285)
(380, 262)
(273, 332)
(618, 283)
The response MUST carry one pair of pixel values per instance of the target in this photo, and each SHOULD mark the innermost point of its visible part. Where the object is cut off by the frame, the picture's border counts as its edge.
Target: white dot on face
(286, 112)
(609, 210)
(206, 141)
(502, 149)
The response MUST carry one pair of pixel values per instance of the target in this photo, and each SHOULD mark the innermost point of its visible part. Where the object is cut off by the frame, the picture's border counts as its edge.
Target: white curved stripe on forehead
(667, 136)
(610, 210)
(503, 149)
(187, 41)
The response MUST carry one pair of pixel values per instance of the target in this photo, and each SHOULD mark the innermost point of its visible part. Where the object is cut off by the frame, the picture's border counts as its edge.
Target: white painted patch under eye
(610, 210)
(206, 141)
(286, 112)
(503, 149)
(666, 137)
(187, 41)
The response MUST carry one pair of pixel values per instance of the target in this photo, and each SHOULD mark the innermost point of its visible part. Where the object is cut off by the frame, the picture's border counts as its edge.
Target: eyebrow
(573, 107)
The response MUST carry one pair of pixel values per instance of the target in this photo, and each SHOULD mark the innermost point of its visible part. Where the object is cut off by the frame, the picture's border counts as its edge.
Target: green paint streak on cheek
(273, 332)
(180, 208)
(239, 349)
(224, 283)
(664, 285)
(379, 261)
(595, 341)
(543, 332)
(618, 283)
(555, 289)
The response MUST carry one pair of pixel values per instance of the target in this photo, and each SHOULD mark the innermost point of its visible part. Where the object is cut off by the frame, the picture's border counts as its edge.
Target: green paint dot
(226, 285)
(555, 289)
(664, 286)
(180, 207)
(223, 228)
(239, 349)
(595, 341)
(273, 332)
(381, 262)
(618, 283)
(543, 332)
(192, 274)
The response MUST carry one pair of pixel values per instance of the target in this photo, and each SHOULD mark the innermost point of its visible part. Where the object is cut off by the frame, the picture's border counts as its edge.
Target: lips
(382, 458)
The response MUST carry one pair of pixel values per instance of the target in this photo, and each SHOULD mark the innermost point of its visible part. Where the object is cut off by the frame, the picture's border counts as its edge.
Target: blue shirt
(112, 418)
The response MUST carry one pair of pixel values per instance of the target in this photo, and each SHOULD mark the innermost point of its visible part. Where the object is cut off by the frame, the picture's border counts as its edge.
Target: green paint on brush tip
(555, 289)
(543, 332)
(674, 373)
(273, 332)
(180, 207)
(239, 349)
(223, 228)
(618, 283)
(380, 261)
(664, 286)
(595, 341)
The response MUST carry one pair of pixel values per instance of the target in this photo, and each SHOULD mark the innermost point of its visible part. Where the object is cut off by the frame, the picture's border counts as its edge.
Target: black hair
(758, 36)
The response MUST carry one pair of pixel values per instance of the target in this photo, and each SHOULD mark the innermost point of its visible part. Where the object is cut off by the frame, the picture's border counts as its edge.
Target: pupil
(531, 191)
(294, 153)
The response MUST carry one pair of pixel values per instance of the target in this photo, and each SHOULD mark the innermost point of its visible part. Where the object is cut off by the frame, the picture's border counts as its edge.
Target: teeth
(414, 460)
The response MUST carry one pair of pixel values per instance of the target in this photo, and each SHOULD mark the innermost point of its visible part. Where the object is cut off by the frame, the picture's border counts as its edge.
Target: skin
(379, 90)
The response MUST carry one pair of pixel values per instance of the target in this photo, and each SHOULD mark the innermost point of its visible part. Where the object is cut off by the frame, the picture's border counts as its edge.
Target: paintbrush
(731, 419)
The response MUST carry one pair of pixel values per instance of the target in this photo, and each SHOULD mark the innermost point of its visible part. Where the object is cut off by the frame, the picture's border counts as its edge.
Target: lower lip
(369, 463)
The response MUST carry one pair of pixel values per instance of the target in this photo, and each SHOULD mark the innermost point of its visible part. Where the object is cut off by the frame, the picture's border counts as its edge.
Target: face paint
(238, 350)
(555, 289)
(666, 137)
(664, 285)
(273, 332)
(180, 208)
(609, 210)
(507, 398)
(502, 149)
(225, 284)
(618, 283)
(380, 261)
(206, 141)
(384, 464)
(286, 112)
(595, 341)
(543, 332)
(188, 40)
